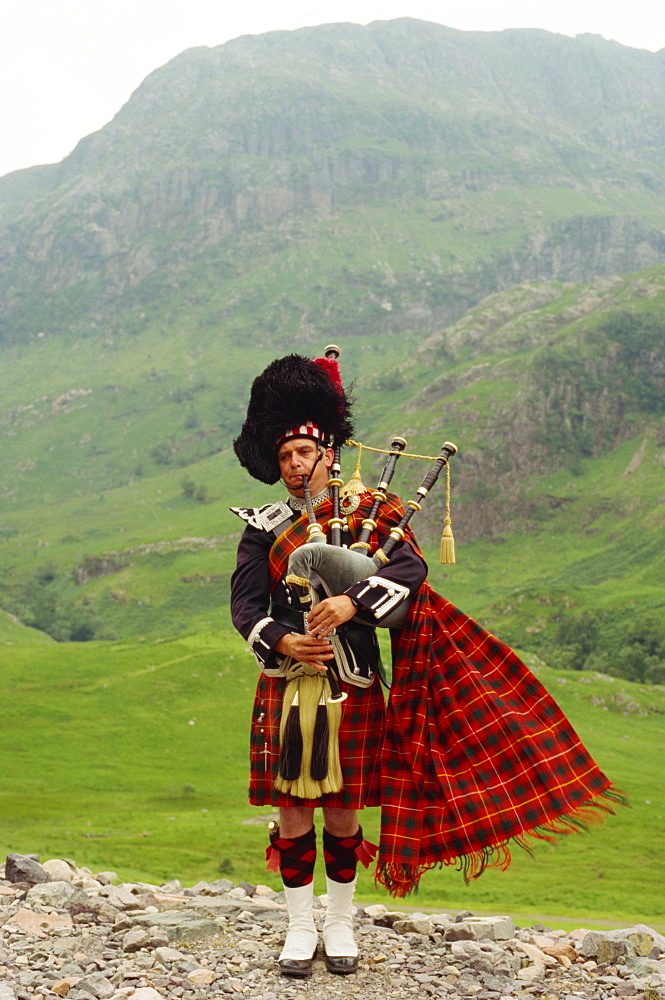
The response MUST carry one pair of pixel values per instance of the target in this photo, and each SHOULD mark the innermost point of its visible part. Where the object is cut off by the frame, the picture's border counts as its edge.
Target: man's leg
(296, 842)
(342, 837)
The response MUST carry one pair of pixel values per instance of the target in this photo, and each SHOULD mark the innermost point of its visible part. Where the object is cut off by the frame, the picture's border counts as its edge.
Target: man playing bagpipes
(471, 754)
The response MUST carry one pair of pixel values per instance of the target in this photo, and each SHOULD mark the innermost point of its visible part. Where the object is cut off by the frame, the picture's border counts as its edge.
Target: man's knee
(294, 821)
(340, 822)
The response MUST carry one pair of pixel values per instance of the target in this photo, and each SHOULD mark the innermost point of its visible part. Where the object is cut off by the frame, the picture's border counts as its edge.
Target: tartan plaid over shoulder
(477, 754)
(296, 534)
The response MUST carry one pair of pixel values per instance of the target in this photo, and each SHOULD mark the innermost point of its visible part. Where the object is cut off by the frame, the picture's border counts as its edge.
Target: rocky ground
(68, 933)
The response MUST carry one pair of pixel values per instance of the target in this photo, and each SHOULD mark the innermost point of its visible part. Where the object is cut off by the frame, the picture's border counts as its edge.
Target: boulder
(62, 987)
(556, 948)
(530, 973)
(202, 977)
(159, 938)
(492, 928)
(180, 925)
(538, 957)
(499, 984)
(88, 884)
(386, 918)
(59, 895)
(484, 962)
(169, 955)
(121, 898)
(417, 924)
(106, 878)
(135, 939)
(23, 868)
(98, 910)
(481, 929)
(261, 890)
(175, 885)
(97, 986)
(646, 967)
(612, 946)
(464, 949)
(459, 932)
(58, 870)
(658, 939)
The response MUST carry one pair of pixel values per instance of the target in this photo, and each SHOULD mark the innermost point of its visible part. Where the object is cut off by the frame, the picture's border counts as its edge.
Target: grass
(134, 757)
(13, 632)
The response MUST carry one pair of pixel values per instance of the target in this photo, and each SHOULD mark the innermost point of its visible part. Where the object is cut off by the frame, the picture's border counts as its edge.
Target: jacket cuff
(378, 595)
(261, 640)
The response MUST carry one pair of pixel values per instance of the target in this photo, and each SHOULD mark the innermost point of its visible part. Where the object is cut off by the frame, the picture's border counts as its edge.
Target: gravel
(87, 939)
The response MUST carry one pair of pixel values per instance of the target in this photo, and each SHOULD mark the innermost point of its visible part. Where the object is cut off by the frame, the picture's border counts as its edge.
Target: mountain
(478, 219)
(343, 179)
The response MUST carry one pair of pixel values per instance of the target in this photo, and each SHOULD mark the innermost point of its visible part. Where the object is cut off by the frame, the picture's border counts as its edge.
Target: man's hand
(306, 649)
(315, 648)
(327, 615)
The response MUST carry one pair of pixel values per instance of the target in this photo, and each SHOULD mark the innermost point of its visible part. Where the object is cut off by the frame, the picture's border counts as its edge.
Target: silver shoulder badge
(264, 518)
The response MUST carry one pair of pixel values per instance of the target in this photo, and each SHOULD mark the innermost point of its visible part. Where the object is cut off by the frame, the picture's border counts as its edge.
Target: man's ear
(328, 457)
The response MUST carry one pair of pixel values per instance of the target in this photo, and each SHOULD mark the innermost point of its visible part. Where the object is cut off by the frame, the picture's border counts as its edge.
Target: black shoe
(341, 965)
(297, 968)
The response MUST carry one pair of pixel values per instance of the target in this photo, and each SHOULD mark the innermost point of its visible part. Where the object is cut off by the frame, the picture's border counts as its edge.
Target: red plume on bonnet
(331, 367)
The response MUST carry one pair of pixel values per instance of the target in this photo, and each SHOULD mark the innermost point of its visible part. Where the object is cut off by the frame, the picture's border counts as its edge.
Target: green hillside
(117, 482)
(12, 632)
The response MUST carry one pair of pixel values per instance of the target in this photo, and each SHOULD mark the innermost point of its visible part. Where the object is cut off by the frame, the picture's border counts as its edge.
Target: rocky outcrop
(90, 939)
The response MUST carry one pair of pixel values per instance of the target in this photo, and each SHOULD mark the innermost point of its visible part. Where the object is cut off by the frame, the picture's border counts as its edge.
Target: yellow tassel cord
(304, 694)
(447, 549)
(447, 552)
(386, 451)
(354, 487)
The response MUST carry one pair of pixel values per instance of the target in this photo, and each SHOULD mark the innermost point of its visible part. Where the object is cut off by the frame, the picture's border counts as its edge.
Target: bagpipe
(325, 566)
(337, 567)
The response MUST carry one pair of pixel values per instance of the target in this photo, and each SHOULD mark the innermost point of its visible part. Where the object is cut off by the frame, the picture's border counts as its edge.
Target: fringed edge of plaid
(400, 879)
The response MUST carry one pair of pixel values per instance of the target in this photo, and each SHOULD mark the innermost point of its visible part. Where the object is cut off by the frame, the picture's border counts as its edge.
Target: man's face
(297, 458)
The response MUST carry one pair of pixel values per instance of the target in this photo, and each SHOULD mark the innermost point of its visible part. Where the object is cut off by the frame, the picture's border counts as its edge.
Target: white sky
(67, 66)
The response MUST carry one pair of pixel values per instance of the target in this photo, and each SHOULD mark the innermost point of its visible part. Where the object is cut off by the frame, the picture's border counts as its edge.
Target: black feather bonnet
(289, 394)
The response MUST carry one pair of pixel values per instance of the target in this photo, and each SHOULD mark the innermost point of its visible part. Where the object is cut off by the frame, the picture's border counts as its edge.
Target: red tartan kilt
(360, 743)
